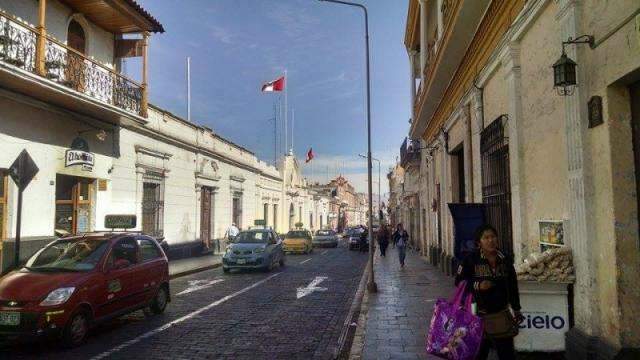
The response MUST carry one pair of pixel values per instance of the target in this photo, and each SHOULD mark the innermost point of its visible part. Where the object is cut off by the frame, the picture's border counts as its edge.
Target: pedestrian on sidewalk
(232, 232)
(401, 240)
(491, 278)
(383, 239)
(363, 241)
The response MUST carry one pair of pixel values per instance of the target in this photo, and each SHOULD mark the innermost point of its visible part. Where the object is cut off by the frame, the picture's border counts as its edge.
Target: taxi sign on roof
(260, 222)
(120, 221)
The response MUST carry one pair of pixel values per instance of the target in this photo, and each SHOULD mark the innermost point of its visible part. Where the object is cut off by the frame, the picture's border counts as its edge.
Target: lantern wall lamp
(564, 70)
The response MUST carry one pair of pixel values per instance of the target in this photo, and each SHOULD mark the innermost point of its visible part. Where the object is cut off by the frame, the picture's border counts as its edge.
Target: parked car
(76, 282)
(354, 241)
(298, 241)
(254, 249)
(324, 238)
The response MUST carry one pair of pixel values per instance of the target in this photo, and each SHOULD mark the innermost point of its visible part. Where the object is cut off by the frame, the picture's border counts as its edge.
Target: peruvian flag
(275, 85)
(310, 155)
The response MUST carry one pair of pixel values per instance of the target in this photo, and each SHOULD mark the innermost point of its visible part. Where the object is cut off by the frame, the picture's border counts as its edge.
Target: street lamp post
(374, 159)
(371, 285)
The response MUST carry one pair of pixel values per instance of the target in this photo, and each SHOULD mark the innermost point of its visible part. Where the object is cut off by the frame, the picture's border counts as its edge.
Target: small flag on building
(309, 155)
(275, 85)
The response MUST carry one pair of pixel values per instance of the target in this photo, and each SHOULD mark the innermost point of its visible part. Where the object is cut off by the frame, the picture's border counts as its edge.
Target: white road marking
(313, 286)
(305, 261)
(195, 285)
(325, 252)
(179, 320)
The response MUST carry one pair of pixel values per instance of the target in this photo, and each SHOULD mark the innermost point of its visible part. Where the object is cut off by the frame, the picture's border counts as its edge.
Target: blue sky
(237, 45)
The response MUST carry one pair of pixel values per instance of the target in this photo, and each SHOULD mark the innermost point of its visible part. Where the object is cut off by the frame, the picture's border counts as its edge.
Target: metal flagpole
(275, 134)
(293, 123)
(286, 112)
(189, 88)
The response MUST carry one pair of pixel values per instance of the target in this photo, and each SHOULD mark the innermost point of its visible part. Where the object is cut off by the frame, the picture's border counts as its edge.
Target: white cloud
(221, 34)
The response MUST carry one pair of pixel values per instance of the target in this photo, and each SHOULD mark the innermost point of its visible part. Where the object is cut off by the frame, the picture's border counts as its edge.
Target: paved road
(247, 315)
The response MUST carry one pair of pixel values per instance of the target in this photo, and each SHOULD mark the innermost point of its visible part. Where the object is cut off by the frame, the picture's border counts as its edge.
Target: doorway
(4, 187)
(74, 204)
(236, 214)
(634, 92)
(206, 216)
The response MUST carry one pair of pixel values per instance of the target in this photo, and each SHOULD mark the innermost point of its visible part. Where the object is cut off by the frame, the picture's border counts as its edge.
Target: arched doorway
(75, 66)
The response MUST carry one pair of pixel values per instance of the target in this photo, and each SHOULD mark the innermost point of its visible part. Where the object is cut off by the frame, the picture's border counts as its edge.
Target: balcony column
(144, 104)
(423, 38)
(440, 18)
(412, 76)
(41, 38)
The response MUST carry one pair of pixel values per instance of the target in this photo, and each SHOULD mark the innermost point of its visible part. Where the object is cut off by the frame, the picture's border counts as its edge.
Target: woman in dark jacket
(383, 239)
(491, 278)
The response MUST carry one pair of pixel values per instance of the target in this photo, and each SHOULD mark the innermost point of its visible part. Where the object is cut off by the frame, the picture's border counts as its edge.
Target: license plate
(242, 261)
(9, 318)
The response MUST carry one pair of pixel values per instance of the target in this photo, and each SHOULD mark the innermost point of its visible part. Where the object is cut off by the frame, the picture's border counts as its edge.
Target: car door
(152, 268)
(275, 244)
(118, 286)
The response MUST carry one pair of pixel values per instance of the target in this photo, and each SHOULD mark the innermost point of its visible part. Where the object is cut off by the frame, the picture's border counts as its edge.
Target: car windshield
(251, 237)
(69, 255)
(324, 232)
(296, 234)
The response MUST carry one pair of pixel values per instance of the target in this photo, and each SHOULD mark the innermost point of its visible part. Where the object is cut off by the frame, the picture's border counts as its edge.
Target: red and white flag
(310, 155)
(275, 85)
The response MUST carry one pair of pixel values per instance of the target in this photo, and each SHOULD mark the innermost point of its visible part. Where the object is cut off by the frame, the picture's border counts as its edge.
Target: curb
(357, 345)
(193, 271)
(347, 335)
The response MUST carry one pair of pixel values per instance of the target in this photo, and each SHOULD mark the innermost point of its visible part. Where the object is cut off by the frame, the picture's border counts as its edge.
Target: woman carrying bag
(491, 278)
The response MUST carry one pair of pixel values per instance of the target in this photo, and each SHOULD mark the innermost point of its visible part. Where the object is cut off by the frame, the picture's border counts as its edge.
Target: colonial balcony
(409, 154)
(457, 21)
(37, 66)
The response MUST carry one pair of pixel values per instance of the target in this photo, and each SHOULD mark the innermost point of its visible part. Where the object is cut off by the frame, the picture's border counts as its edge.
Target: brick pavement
(397, 317)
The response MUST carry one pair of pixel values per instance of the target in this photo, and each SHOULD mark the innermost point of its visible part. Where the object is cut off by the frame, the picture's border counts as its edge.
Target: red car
(76, 282)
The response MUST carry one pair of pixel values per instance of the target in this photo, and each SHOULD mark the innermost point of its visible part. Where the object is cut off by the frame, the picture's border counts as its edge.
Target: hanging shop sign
(79, 155)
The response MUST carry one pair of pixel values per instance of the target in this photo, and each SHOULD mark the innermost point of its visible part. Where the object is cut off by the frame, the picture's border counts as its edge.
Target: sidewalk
(190, 265)
(397, 318)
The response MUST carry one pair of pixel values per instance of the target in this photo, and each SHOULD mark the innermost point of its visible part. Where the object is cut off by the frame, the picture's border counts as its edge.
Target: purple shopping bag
(455, 333)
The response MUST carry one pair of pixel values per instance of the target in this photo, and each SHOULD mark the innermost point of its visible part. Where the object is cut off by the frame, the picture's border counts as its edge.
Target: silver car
(254, 249)
(325, 238)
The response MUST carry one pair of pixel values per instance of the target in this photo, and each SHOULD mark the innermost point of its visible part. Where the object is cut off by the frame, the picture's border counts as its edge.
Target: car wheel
(75, 332)
(225, 269)
(159, 302)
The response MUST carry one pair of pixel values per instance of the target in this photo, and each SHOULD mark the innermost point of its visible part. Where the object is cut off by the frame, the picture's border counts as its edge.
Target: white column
(468, 157)
(477, 125)
(577, 234)
(440, 20)
(423, 37)
(513, 79)
(445, 196)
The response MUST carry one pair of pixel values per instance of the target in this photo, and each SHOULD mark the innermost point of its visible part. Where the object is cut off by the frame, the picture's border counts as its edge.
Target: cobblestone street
(247, 315)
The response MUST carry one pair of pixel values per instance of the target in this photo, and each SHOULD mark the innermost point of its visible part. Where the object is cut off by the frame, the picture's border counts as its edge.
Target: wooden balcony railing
(67, 67)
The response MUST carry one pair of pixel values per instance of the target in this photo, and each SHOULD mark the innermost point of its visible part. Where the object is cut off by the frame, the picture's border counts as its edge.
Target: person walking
(363, 245)
(232, 232)
(383, 239)
(401, 240)
(491, 279)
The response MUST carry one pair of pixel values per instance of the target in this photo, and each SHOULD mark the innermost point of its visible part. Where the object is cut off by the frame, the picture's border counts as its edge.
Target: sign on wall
(551, 234)
(79, 155)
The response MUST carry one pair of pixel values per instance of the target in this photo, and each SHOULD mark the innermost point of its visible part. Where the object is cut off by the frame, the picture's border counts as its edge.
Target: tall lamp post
(371, 285)
(374, 159)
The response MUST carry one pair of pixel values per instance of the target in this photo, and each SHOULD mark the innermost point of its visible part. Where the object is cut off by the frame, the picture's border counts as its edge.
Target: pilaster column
(477, 125)
(423, 37)
(577, 234)
(445, 195)
(510, 60)
(41, 39)
(468, 158)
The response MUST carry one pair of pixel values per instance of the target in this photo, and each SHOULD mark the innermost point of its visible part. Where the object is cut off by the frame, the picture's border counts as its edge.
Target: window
(153, 205)
(148, 249)
(237, 209)
(124, 251)
(4, 185)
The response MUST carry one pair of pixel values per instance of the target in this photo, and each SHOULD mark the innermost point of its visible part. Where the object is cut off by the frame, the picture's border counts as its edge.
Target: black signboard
(23, 170)
(260, 222)
(120, 221)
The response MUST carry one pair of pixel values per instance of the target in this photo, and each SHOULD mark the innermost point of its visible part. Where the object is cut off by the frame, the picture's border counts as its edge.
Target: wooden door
(73, 204)
(205, 217)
